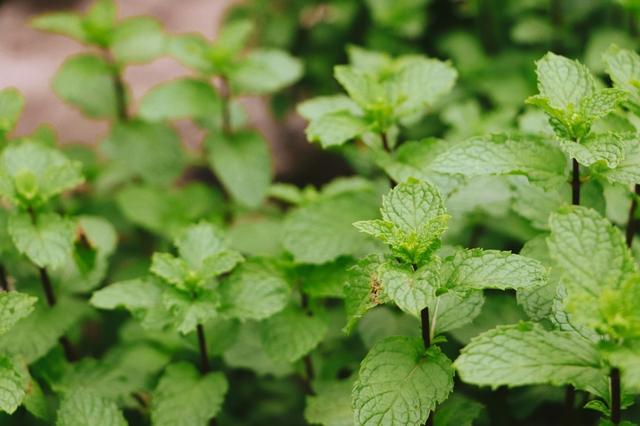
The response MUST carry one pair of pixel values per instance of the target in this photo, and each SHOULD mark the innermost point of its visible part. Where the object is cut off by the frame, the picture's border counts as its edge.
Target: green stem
(575, 184)
(4, 281)
(202, 343)
(118, 85)
(225, 97)
(616, 414)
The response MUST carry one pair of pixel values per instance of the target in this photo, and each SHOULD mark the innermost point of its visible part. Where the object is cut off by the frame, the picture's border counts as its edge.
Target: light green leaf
(255, 290)
(33, 336)
(82, 407)
(48, 243)
(411, 290)
(326, 280)
(537, 158)
(133, 295)
(335, 128)
(599, 150)
(193, 51)
(315, 108)
(627, 171)
(68, 24)
(527, 354)
(331, 406)
(412, 204)
(360, 86)
(623, 66)
(183, 397)
(601, 103)
(266, 71)
(322, 231)
(137, 40)
(199, 242)
(11, 104)
(362, 290)
(100, 19)
(13, 307)
(188, 310)
(31, 173)
(152, 151)
(406, 18)
(479, 269)
(86, 82)
(183, 98)
(14, 379)
(291, 334)
(172, 269)
(234, 34)
(453, 310)
(242, 162)
(563, 82)
(400, 382)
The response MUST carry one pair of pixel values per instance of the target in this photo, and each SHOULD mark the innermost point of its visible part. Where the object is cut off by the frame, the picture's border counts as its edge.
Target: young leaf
(322, 105)
(48, 243)
(243, 163)
(362, 290)
(527, 354)
(266, 71)
(14, 379)
(596, 150)
(184, 397)
(13, 307)
(187, 309)
(291, 334)
(623, 66)
(68, 24)
(453, 310)
(255, 290)
(400, 382)
(193, 51)
(86, 82)
(11, 104)
(134, 295)
(137, 40)
(183, 98)
(336, 128)
(82, 407)
(411, 290)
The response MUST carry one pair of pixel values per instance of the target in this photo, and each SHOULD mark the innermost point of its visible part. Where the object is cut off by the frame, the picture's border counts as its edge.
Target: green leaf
(326, 280)
(623, 66)
(193, 51)
(200, 242)
(31, 173)
(601, 103)
(362, 290)
(11, 104)
(82, 408)
(458, 411)
(100, 19)
(538, 159)
(290, 334)
(411, 290)
(317, 107)
(627, 171)
(254, 290)
(453, 309)
(527, 354)
(184, 397)
(360, 86)
(152, 151)
(331, 406)
(266, 71)
(133, 295)
(602, 150)
(406, 18)
(68, 24)
(48, 243)
(86, 82)
(183, 98)
(480, 269)
(188, 310)
(400, 382)
(137, 40)
(322, 231)
(35, 335)
(13, 307)
(563, 82)
(234, 34)
(336, 128)
(14, 379)
(243, 163)
(170, 268)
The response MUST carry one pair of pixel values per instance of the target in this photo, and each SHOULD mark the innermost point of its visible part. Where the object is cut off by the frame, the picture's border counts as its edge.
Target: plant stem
(426, 339)
(575, 184)
(632, 223)
(225, 96)
(385, 142)
(307, 380)
(616, 415)
(4, 282)
(70, 352)
(204, 357)
(118, 85)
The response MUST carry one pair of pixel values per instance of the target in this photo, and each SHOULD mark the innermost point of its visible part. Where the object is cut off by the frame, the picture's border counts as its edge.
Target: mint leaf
(193, 51)
(11, 104)
(326, 280)
(360, 86)
(604, 150)
(538, 159)
(152, 151)
(290, 334)
(322, 231)
(479, 269)
(623, 66)
(68, 24)
(627, 171)
(254, 290)
(183, 397)
(265, 71)
(188, 309)
(243, 163)
(336, 128)
(82, 408)
(411, 290)
(331, 406)
(527, 354)
(601, 103)
(322, 105)
(137, 40)
(30, 173)
(401, 382)
(13, 307)
(48, 243)
(14, 379)
(133, 295)
(362, 290)
(183, 98)
(86, 82)
(453, 309)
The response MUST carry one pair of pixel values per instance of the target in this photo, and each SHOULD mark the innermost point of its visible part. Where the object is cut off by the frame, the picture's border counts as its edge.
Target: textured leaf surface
(266, 71)
(527, 354)
(411, 290)
(623, 66)
(11, 104)
(13, 382)
(291, 334)
(82, 408)
(335, 128)
(13, 307)
(400, 383)
(184, 98)
(563, 81)
(183, 397)
(363, 290)
(132, 295)
(331, 406)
